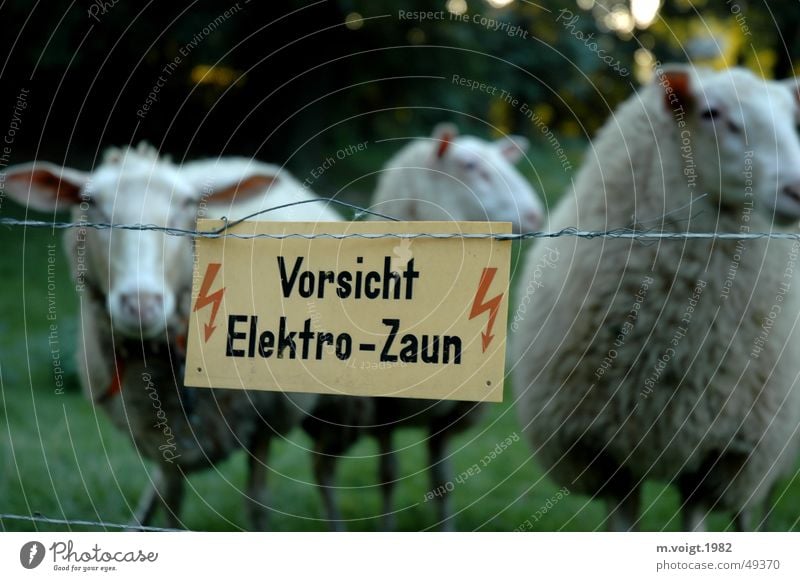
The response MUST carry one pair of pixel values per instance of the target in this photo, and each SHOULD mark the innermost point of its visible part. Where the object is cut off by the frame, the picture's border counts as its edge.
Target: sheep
(135, 301)
(458, 177)
(444, 177)
(639, 360)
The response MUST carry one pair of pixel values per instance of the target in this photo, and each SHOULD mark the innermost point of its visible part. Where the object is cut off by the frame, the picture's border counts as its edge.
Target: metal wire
(641, 234)
(40, 518)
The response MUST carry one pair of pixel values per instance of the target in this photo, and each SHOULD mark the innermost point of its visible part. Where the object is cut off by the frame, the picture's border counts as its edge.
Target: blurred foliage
(293, 81)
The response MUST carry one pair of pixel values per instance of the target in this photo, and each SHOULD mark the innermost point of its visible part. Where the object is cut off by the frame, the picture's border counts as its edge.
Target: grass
(60, 458)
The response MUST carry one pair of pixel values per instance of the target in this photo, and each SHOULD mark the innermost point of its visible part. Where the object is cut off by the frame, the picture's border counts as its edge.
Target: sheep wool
(673, 360)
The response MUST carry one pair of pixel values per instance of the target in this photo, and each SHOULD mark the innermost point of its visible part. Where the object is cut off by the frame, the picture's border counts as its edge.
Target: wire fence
(639, 234)
(629, 233)
(40, 518)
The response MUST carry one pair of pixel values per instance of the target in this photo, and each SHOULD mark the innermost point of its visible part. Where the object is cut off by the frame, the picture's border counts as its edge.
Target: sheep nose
(531, 220)
(146, 307)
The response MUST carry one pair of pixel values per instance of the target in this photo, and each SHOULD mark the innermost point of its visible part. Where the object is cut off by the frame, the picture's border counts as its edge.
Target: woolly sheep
(444, 177)
(458, 177)
(136, 303)
(640, 361)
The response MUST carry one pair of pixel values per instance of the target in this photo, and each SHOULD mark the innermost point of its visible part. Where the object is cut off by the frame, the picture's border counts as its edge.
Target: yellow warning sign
(359, 309)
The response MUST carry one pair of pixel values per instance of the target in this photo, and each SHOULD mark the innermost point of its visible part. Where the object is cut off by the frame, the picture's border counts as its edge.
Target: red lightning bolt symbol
(204, 299)
(479, 305)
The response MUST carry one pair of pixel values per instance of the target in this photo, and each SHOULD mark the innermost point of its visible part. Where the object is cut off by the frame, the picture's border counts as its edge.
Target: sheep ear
(512, 147)
(443, 136)
(242, 190)
(42, 185)
(793, 85)
(677, 85)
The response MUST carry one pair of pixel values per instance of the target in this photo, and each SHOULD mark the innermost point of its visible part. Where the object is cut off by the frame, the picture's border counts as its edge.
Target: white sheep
(444, 177)
(673, 360)
(134, 310)
(458, 177)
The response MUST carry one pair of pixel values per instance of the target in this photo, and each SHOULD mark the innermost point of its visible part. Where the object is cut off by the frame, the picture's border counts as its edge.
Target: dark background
(289, 81)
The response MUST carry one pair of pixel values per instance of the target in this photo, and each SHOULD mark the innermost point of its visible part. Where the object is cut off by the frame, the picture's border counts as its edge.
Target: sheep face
(482, 182)
(140, 274)
(741, 131)
(463, 178)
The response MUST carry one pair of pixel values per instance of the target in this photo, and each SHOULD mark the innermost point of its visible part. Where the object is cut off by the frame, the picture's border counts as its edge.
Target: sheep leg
(171, 496)
(623, 514)
(694, 517)
(325, 473)
(257, 493)
(441, 473)
(166, 491)
(743, 521)
(148, 502)
(693, 511)
(388, 477)
(766, 521)
(733, 471)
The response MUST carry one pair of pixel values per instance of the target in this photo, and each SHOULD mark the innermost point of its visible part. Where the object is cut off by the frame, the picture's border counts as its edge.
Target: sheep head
(479, 180)
(141, 275)
(739, 133)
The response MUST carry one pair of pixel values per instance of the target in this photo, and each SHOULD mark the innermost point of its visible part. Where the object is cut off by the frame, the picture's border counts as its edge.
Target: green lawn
(60, 459)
